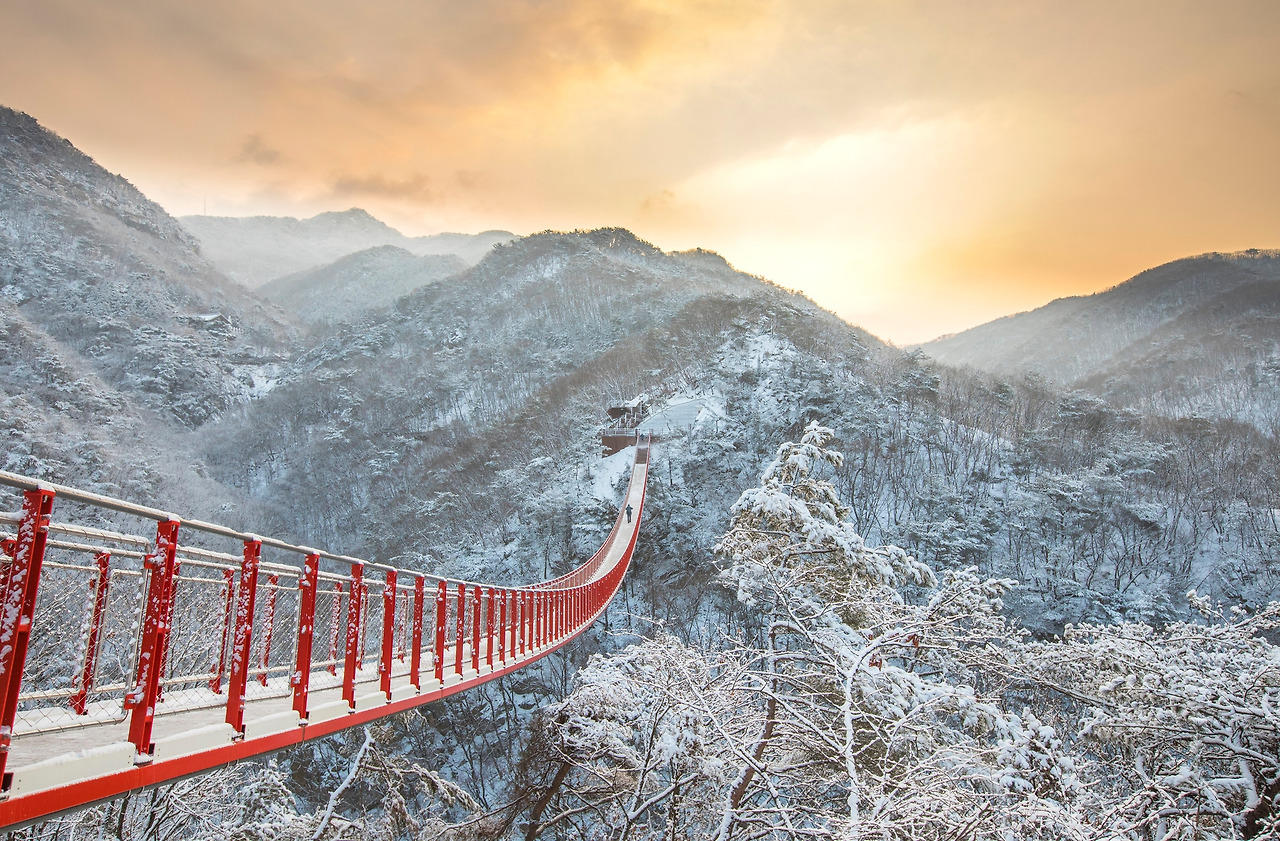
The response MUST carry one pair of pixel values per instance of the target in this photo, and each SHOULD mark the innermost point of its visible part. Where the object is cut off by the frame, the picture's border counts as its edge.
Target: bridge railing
(103, 626)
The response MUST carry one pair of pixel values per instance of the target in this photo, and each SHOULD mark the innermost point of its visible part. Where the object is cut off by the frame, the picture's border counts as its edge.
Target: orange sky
(917, 167)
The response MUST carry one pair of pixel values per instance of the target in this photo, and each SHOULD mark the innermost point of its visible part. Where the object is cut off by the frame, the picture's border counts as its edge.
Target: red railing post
(168, 625)
(242, 641)
(308, 584)
(269, 620)
(534, 601)
(526, 622)
(355, 634)
(517, 638)
(529, 602)
(364, 625)
(477, 596)
(461, 634)
(144, 695)
(228, 598)
(388, 633)
(80, 700)
(442, 617)
(415, 646)
(503, 598)
(488, 628)
(17, 606)
(540, 617)
(406, 627)
(336, 627)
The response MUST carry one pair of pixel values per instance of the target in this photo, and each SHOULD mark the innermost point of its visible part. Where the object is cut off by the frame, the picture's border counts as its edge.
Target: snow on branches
(871, 700)
(1191, 711)
(864, 715)
(796, 522)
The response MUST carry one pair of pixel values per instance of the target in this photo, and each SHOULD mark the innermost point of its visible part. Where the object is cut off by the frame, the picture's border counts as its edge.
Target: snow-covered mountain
(351, 286)
(118, 335)
(257, 249)
(453, 428)
(463, 415)
(470, 400)
(1196, 336)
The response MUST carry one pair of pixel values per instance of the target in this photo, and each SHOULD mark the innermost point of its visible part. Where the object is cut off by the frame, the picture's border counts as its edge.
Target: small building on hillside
(620, 432)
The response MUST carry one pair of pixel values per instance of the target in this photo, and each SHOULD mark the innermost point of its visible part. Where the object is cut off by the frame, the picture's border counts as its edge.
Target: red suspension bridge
(128, 660)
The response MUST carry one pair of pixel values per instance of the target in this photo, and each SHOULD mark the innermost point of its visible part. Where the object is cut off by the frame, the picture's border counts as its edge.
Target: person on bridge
(628, 513)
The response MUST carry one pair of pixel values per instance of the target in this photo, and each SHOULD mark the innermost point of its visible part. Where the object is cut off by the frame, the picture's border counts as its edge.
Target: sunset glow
(917, 167)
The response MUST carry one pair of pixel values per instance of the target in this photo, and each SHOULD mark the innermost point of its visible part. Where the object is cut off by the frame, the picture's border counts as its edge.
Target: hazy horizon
(917, 167)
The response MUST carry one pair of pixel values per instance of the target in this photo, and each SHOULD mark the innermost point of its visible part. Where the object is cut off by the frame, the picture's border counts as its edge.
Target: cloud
(904, 146)
(413, 188)
(658, 204)
(256, 151)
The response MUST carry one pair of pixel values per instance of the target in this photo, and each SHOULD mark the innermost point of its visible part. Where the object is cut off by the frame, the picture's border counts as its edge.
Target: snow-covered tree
(1185, 718)
(853, 713)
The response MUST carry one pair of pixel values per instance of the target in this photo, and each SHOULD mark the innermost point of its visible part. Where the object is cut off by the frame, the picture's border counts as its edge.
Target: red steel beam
(388, 633)
(145, 694)
(442, 618)
(229, 612)
(462, 629)
(415, 646)
(80, 701)
(301, 678)
(242, 641)
(355, 635)
(17, 610)
(476, 596)
(269, 626)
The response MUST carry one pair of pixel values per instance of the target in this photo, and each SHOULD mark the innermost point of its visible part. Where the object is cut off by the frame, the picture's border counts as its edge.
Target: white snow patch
(682, 416)
(608, 472)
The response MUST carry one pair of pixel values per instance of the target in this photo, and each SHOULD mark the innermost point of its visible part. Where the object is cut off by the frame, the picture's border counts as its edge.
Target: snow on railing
(242, 651)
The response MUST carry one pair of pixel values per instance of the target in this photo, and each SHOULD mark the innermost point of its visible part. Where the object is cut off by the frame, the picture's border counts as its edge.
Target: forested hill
(117, 334)
(472, 405)
(459, 422)
(1199, 336)
(469, 409)
(351, 286)
(101, 279)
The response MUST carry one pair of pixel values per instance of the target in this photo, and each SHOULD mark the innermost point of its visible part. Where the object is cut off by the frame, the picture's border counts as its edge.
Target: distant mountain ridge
(257, 249)
(1197, 336)
(351, 286)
